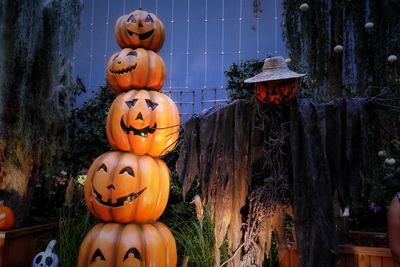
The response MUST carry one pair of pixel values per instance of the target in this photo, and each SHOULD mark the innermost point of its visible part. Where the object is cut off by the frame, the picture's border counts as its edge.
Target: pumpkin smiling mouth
(142, 132)
(142, 36)
(123, 71)
(120, 201)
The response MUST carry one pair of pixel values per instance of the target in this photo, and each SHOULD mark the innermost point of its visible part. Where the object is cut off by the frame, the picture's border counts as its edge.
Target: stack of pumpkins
(128, 188)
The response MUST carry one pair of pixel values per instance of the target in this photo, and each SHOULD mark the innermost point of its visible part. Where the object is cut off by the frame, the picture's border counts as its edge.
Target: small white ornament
(304, 7)
(338, 49)
(392, 58)
(390, 161)
(47, 257)
(382, 153)
(288, 60)
(369, 25)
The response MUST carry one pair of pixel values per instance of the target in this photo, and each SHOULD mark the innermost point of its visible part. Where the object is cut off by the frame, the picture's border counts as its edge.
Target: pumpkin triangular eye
(96, 254)
(132, 53)
(102, 167)
(128, 170)
(131, 103)
(131, 19)
(149, 19)
(134, 252)
(151, 104)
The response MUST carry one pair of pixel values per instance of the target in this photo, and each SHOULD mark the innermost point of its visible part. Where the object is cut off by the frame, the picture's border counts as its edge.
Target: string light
(205, 44)
(172, 45)
(91, 47)
(207, 50)
(240, 30)
(222, 42)
(276, 27)
(187, 43)
(258, 36)
(106, 45)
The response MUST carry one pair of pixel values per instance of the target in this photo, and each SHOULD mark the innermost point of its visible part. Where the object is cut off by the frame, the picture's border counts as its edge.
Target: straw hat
(274, 68)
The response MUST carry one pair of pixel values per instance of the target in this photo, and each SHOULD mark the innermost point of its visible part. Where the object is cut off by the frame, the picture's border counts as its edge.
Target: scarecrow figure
(276, 83)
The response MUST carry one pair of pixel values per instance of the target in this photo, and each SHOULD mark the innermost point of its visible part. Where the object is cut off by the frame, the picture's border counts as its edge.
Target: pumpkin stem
(1, 202)
(50, 246)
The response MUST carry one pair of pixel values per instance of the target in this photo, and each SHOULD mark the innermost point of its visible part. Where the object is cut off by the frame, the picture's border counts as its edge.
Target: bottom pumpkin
(123, 245)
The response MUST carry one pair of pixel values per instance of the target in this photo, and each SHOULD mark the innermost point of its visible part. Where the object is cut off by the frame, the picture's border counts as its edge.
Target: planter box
(351, 255)
(19, 246)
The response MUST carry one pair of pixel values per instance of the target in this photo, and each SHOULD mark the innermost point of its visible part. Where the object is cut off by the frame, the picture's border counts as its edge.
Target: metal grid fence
(193, 101)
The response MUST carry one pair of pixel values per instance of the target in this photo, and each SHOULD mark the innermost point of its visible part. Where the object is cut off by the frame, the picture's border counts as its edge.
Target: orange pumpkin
(7, 219)
(276, 91)
(143, 122)
(135, 69)
(128, 245)
(124, 187)
(140, 29)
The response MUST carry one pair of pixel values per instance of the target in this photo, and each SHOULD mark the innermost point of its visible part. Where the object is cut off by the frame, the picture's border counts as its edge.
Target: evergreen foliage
(88, 131)
(236, 75)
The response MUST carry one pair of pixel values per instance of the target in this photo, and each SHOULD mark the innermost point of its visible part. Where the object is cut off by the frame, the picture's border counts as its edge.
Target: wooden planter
(350, 255)
(19, 246)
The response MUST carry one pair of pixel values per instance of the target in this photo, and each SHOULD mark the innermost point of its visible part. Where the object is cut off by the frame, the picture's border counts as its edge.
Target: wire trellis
(185, 51)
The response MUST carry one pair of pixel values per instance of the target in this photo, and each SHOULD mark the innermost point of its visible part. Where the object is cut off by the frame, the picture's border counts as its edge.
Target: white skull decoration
(46, 258)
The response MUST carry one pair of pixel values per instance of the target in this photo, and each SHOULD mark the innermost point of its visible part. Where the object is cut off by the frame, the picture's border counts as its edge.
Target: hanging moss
(311, 36)
(37, 43)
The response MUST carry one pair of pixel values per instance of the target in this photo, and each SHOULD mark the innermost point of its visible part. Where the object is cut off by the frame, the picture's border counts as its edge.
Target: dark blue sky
(203, 38)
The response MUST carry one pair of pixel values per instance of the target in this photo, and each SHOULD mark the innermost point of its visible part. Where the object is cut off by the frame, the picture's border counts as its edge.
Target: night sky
(203, 38)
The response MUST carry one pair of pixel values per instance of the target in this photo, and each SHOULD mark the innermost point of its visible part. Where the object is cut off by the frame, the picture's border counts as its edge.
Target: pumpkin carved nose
(139, 116)
(111, 186)
(140, 24)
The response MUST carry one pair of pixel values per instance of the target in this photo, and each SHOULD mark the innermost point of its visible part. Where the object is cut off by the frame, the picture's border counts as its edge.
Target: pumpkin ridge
(97, 229)
(119, 230)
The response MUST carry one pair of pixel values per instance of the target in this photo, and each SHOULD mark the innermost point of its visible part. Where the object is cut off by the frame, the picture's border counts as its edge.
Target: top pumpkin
(140, 29)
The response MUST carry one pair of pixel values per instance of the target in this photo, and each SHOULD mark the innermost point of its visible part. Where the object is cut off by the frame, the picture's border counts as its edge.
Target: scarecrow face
(276, 92)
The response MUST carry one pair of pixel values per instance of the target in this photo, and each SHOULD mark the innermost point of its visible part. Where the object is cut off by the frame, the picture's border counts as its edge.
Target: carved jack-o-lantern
(135, 69)
(46, 258)
(143, 122)
(276, 92)
(124, 187)
(140, 29)
(128, 245)
(276, 83)
(7, 219)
